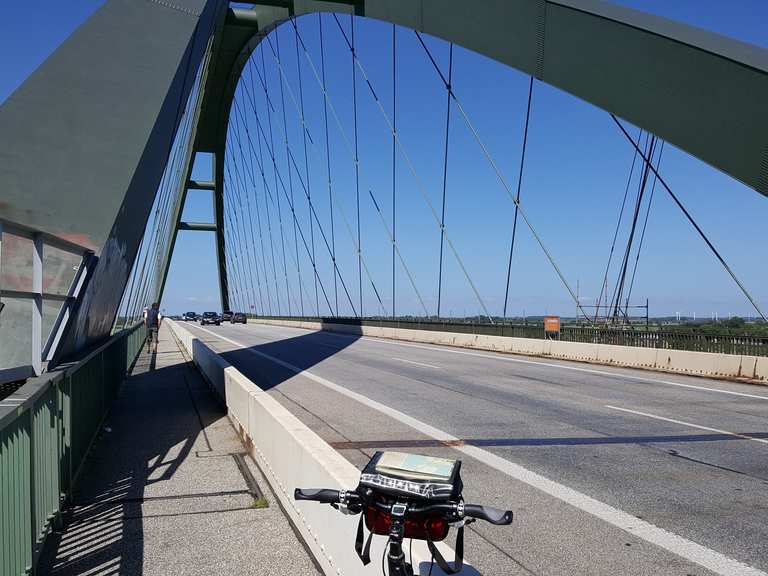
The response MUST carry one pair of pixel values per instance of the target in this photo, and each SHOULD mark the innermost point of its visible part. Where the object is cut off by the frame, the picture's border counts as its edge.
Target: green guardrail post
(32, 487)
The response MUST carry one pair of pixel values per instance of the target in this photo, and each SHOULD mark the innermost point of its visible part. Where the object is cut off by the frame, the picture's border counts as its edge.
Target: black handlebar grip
(492, 515)
(324, 495)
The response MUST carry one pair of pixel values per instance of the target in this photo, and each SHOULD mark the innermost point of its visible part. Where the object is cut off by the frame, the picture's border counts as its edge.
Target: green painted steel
(624, 336)
(46, 430)
(708, 98)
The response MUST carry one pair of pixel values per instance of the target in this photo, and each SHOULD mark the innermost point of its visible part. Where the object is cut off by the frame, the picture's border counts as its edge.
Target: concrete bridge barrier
(291, 455)
(732, 366)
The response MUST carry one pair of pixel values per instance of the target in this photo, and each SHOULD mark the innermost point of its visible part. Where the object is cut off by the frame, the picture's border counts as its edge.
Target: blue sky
(576, 168)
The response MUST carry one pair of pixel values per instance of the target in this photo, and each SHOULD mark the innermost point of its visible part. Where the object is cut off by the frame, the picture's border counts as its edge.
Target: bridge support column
(218, 219)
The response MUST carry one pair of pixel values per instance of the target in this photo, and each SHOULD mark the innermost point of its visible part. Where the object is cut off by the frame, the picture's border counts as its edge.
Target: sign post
(552, 327)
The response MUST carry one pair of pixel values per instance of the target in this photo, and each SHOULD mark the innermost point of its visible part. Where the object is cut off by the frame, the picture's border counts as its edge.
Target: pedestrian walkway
(168, 488)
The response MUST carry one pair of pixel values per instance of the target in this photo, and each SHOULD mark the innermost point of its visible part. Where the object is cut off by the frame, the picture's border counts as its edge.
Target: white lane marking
(687, 549)
(689, 424)
(451, 350)
(416, 363)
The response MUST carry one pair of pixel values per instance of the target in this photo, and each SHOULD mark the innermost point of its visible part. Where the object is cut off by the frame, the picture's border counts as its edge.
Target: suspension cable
(181, 123)
(445, 176)
(274, 168)
(329, 105)
(296, 105)
(340, 205)
(639, 183)
(313, 211)
(302, 288)
(328, 162)
(349, 227)
(519, 185)
(357, 158)
(270, 151)
(269, 221)
(253, 256)
(159, 202)
(242, 242)
(236, 191)
(419, 183)
(261, 235)
(239, 213)
(267, 196)
(127, 297)
(306, 170)
(339, 125)
(290, 179)
(645, 225)
(394, 157)
(503, 180)
(621, 279)
(162, 201)
(394, 244)
(240, 180)
(234, 264)
(234, 254)
(696, 226)
(604, 283)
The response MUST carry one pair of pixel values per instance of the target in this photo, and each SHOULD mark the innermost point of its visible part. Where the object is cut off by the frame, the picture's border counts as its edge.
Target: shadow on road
(507, 442)
(301, 352)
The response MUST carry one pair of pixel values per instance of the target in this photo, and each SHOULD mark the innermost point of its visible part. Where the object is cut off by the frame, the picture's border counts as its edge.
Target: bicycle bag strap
(458, 562)
(363, 553)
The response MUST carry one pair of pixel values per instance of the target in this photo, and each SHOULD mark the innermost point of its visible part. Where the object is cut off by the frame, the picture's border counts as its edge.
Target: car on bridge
(226, 316)
(238, 318)
(189, 317)
(210, 318)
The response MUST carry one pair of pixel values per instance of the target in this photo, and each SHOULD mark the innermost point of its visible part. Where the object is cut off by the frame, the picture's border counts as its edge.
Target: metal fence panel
(634, 336)
(45, 439)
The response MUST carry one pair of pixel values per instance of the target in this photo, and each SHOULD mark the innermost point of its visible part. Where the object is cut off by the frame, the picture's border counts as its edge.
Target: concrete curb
(291, 455)
(749, 369)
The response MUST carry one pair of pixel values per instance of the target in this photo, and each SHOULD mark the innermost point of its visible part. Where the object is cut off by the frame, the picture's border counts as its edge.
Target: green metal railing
(670, 340)
(46, 430)
(635, 336)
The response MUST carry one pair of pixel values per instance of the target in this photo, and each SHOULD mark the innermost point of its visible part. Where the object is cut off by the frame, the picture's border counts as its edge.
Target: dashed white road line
(416, 363)
(509, 358)
(689, 424)
(682, 547)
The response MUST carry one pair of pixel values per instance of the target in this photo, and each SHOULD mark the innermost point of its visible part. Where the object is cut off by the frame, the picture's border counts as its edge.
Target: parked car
(210, 318)
(190, 316)
(238, 318)
(227, 316)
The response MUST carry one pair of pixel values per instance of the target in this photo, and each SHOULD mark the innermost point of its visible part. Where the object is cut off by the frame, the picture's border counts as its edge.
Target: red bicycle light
(377, 521)
(430, 527)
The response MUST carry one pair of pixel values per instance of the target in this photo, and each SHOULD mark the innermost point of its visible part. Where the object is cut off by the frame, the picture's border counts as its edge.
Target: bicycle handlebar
(487, 513)
(450, 509)
(492, 515)
(324, 495)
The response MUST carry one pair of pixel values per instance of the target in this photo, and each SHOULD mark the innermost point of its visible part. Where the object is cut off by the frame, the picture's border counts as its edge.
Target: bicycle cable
(384, 556)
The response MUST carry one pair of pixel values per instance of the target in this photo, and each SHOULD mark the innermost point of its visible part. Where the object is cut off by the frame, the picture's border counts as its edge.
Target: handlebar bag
(413, 477)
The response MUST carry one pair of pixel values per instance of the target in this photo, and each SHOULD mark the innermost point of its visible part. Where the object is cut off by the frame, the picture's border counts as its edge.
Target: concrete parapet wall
(753, 368)
(291, 455)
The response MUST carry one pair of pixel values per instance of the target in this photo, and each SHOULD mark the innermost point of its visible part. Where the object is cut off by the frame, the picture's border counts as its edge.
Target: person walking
(152, 323)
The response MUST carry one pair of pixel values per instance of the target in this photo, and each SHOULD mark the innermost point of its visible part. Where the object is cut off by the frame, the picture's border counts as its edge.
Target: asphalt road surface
(609, 471)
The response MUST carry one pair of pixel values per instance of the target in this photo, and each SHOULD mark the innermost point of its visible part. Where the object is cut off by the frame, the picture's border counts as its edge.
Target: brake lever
(343, 505)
